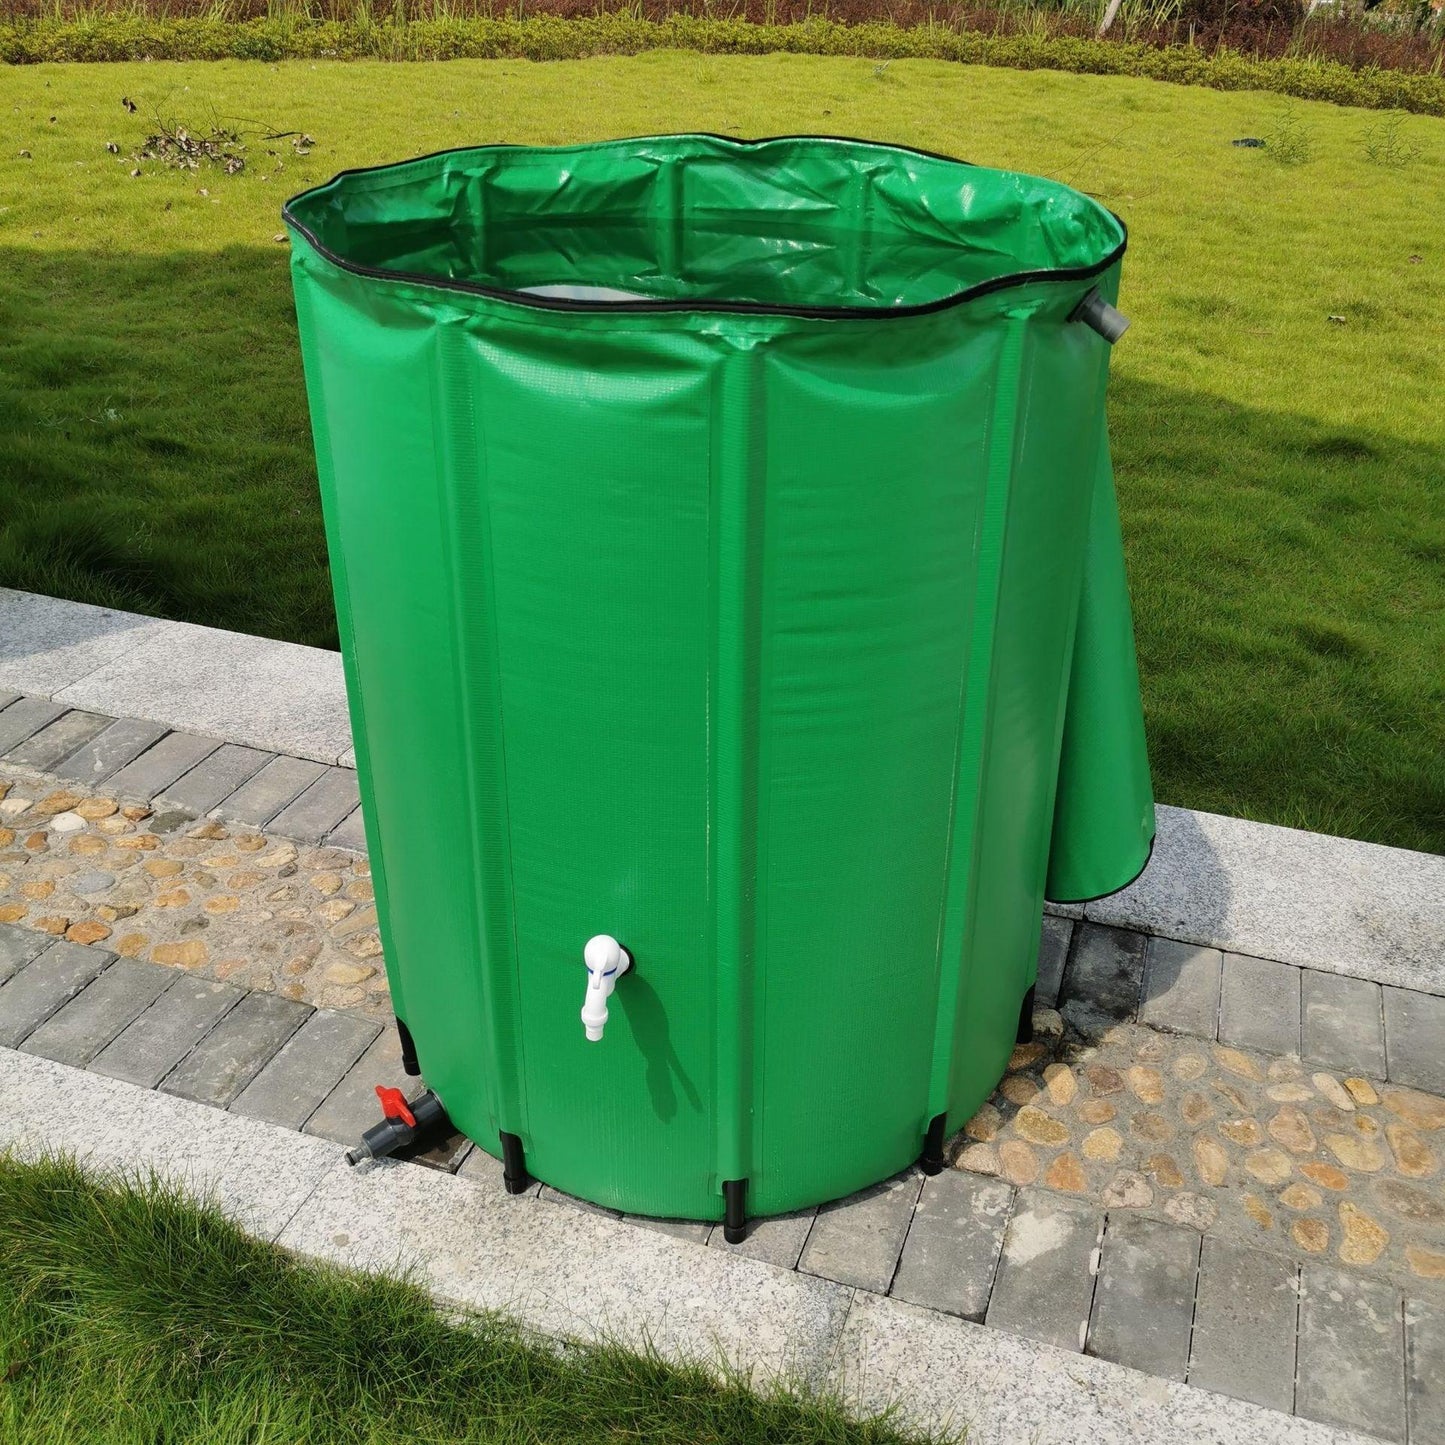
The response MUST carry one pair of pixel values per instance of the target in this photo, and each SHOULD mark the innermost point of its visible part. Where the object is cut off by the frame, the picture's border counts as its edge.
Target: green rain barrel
(726, 563)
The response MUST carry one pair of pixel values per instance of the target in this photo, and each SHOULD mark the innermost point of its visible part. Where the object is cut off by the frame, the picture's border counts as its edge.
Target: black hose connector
(1095, 312)
(404, 1124)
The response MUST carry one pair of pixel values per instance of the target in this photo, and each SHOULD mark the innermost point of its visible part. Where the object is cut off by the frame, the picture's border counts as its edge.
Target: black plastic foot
(514, 1164)
(931, 1161)
(1026, 1018)
(735, 1218)
(408, 1050)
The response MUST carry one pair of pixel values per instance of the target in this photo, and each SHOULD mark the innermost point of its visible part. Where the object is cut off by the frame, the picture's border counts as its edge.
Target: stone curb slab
(259, 1175)
(1004, 1390)
(565, 1271)
(1281, 893)
(277, 696)
(582, 1274)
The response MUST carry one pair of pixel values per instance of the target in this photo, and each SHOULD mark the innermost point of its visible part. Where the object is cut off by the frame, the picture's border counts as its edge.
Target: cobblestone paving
(219, 901)
(1265, 1150)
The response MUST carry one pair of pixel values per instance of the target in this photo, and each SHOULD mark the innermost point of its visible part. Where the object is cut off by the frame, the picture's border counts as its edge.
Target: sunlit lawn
(129, 1317)
(1282, 474)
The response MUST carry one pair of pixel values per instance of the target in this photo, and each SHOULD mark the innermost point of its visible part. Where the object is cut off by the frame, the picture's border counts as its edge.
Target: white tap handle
(606, 961)
(602, 953)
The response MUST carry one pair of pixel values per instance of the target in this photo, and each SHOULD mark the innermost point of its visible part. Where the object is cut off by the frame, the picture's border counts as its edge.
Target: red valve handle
(393, 1105)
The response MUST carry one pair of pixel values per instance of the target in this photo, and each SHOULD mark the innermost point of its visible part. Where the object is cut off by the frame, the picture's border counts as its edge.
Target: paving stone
(213, 779)
(562, 1271)
(259, 799)
(1259, 1004)
(167, 1031)
(18, 946)
(6, 698)
(951, 1253)
(1351, 1353)
(236, 1050)
(310, 817)
(350, 832)
(445, 1153)
(1144, 1300)
(1181, 988)
(1415, 1039)
(159, 766)
(1425, 1370)
(58, 740)
(481, 1168)
(1053, 951)
(1342, 1023)
(44, 985)
(1045, 1275)
(556, 1196)
(311, 1063)
(697, 1230)
(857, 1240)
(97, 1014)
(1244, 1324)
(351, 1108)
(24, 719)
(48, 643)
(777, 1240)
(109, 751)
(277, 696)
(1103, 977)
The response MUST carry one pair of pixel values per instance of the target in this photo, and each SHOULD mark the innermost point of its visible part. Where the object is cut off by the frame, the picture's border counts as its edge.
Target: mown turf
(128, 1317)
(1280, 471)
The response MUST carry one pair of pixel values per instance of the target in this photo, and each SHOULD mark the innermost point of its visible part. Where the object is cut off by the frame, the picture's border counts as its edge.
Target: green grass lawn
(1282, 475)
(128, 1317)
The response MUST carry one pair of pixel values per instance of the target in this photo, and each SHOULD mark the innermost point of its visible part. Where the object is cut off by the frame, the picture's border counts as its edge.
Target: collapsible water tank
(727, 565)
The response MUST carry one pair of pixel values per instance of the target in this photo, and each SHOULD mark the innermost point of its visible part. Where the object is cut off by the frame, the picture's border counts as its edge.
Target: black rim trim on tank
(753, 308)
(1109, 892)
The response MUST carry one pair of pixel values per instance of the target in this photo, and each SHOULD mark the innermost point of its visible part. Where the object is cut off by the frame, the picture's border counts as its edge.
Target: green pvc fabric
(726, 558)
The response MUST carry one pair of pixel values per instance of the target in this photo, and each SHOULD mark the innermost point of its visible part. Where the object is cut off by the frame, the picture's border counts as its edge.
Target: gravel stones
(1228, 1142)
(197, 896)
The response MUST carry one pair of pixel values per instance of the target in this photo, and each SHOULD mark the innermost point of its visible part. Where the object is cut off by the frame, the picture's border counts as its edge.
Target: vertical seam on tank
(670, 247)
(1071, 651)
(733, 719)
(972, 743)
(351, 671)
(472, 598)
(762, 780)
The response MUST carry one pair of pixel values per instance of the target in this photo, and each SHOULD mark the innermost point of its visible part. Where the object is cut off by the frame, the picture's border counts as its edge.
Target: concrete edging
(1282, 893)
(569, 1273)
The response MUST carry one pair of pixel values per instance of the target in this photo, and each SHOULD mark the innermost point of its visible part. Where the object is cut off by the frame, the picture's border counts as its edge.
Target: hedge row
(545, 37)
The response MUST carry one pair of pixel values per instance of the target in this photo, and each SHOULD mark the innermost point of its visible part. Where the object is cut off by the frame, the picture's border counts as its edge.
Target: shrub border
(550, 37)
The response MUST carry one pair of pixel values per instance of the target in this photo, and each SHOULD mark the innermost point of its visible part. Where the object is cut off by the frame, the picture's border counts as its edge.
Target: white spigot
(606, 961)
